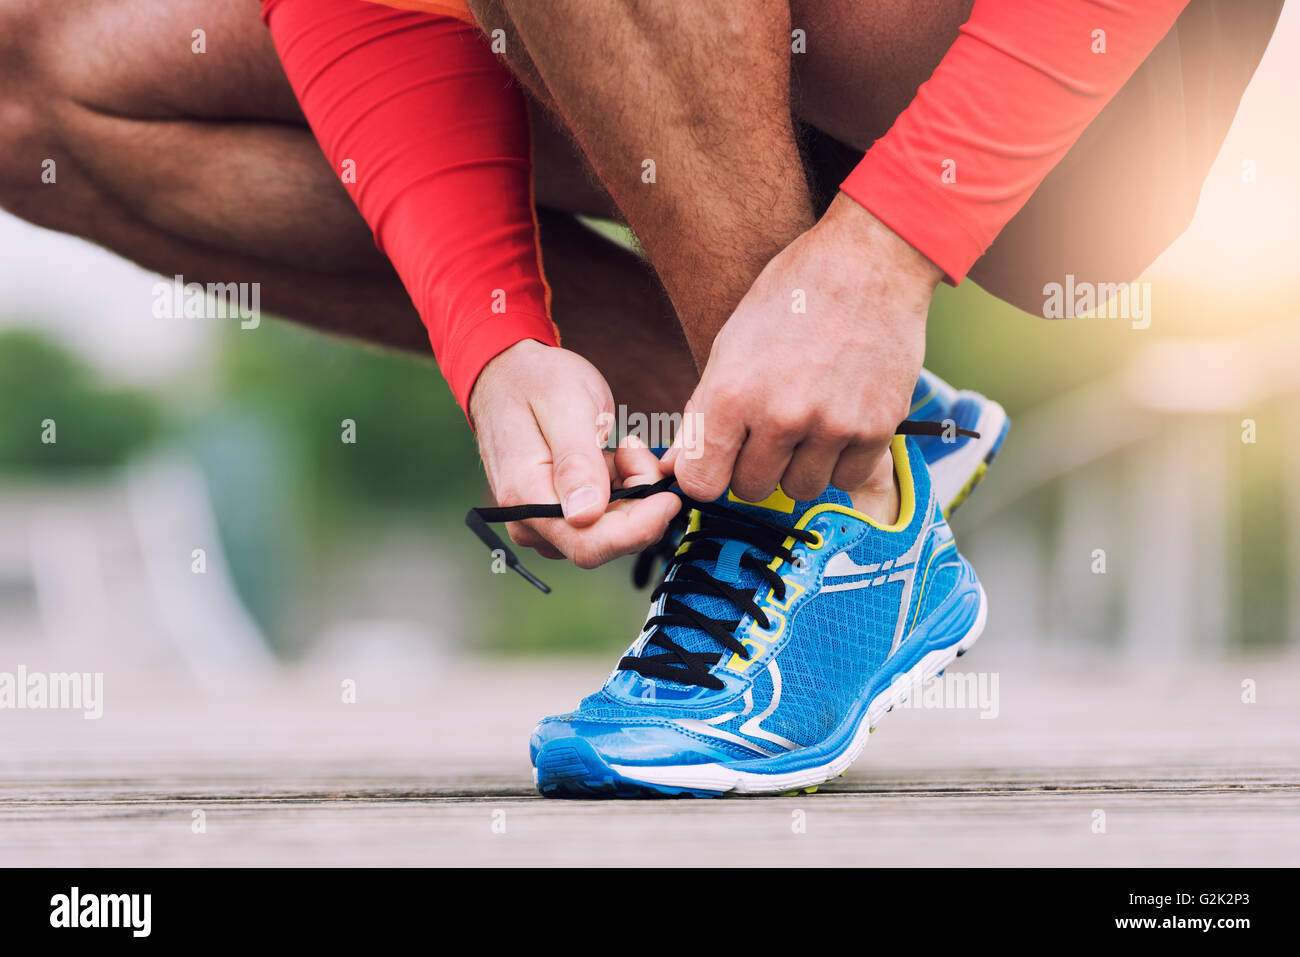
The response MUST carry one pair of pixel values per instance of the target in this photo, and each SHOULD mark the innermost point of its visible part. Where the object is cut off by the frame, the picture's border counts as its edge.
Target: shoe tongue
(781, 508)
(777, 507)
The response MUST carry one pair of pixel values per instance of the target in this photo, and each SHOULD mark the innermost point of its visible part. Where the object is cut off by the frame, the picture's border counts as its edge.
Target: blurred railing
(127, 571)
(1139, 478)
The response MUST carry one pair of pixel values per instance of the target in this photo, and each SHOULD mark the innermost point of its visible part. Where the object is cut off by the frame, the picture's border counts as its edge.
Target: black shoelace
(761, 536)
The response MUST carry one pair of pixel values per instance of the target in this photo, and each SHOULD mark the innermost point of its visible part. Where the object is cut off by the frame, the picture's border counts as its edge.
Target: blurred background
(180, 435)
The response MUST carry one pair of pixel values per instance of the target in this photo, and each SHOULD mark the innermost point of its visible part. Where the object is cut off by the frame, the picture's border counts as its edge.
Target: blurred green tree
(96, 426)
(412, 444)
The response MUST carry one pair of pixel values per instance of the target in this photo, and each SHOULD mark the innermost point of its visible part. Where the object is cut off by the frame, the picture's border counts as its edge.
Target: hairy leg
(688, 128)
(865, 60)
(618, 316)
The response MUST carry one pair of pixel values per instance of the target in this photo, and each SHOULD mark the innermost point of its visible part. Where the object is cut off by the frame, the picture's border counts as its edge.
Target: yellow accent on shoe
(906, 497)
(966, 489)
(778, 501)
(811, 789)
(696, 521)
(920, 402)
(925, 579)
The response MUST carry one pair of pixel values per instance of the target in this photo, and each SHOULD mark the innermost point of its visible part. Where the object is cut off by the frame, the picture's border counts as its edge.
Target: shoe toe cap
(627, 743)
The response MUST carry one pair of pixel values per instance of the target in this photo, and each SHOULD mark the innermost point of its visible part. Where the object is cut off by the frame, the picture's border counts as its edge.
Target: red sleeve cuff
(911, 209)
(480, 340)
(1004, 106)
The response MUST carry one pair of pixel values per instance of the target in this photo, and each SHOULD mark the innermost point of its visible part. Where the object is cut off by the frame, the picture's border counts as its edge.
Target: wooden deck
(428, 772)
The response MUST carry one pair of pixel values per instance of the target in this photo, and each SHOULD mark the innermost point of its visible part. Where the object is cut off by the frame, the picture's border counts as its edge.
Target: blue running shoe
(957, 462)
(781, 634)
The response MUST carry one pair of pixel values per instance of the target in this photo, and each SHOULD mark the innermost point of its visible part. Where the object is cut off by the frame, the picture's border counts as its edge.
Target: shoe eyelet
(800, 563)
(844, 529)
(821, 540)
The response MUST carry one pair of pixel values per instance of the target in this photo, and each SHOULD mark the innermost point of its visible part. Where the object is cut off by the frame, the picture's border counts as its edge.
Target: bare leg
(622, 320)
(865, 61)
(688, 128)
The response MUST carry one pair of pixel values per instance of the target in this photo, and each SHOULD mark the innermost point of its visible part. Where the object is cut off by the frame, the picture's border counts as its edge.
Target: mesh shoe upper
(857, 596)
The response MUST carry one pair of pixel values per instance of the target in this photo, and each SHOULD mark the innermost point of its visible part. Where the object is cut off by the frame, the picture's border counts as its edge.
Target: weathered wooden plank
(428, 771)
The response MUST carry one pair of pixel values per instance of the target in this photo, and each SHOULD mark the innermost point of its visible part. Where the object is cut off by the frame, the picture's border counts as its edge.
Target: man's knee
(25, 133)
(19, 139)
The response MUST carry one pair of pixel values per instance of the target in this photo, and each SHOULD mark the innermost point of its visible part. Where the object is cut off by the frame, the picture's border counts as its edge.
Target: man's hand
(810, 376)
(543, 415)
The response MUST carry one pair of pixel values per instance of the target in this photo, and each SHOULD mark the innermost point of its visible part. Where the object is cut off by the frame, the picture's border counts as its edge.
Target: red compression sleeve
(1004, 106)
(437, 134)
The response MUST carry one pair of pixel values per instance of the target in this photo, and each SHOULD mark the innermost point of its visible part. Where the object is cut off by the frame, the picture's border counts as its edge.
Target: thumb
(573, 426)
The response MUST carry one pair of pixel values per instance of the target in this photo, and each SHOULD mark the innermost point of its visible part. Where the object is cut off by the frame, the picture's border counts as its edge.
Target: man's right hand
(542, 415)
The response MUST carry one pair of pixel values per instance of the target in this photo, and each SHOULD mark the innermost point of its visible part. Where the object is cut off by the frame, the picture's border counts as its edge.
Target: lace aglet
(532, 579)
(478, 525)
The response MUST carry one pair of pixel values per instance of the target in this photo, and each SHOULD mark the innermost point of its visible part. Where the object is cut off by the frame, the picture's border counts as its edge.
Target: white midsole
(717, 777)
(951, 474)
